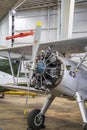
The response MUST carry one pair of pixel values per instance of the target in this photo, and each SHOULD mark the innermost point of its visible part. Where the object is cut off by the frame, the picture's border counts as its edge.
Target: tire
(2, 96)
(29, 128)
(84, 126)
(34, 120)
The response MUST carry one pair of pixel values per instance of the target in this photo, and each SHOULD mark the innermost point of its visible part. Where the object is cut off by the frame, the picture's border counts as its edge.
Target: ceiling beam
(18, 4)
(35, 7)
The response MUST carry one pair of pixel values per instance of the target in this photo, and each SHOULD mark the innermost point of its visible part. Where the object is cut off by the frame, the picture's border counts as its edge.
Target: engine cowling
(48, 70)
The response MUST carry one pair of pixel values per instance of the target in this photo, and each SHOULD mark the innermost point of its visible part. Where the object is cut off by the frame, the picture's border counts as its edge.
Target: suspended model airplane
(53, 73)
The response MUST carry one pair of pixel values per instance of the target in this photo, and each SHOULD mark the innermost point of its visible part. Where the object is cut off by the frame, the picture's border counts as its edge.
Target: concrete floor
(62, 115)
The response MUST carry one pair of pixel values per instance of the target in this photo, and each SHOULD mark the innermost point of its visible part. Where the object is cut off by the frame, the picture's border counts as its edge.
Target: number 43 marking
(72, 74)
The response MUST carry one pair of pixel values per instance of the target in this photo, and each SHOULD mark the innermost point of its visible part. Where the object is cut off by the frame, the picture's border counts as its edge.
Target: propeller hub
(41, 67)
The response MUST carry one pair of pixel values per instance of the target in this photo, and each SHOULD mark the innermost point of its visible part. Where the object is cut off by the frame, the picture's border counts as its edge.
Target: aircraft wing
(22, 88)
(69, 46)
(17, 52)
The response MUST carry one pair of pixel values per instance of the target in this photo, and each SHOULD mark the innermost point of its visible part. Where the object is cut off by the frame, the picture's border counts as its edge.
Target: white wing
(69, 46)
(65, 47)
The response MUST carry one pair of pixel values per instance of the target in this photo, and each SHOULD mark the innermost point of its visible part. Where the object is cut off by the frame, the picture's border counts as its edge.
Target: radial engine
(48, 71)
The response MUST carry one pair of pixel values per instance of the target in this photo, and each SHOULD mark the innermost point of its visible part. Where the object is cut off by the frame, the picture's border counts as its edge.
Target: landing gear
(36, 117)
(85, 126)
(35, 120)
(2, 95)
(82, 107)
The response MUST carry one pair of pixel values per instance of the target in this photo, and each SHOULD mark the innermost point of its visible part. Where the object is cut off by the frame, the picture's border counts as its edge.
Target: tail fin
(37, 37)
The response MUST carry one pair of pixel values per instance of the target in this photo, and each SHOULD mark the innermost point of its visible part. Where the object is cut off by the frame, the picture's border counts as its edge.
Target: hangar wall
(50, 17)
(4, 31)
(80, 20)
(26, 20)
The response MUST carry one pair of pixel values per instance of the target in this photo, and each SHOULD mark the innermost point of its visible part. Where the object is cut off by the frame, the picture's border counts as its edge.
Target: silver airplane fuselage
(72, 81)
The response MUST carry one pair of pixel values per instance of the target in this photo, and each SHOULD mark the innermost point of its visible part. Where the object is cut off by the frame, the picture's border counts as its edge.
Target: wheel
(85, 126)
(29, 128)
(34, 120)
(2, 95)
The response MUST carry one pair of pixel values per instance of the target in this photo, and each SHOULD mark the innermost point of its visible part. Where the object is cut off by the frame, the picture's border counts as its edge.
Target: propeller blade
(34, 54)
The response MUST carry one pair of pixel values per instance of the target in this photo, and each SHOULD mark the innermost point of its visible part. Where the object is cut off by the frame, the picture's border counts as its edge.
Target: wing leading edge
(69, 46)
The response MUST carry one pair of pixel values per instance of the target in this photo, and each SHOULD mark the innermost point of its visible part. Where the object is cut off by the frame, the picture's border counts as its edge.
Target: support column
(67, 13)
(12, 14)
(58, 21)
(48, 24)
(12, 41)
(11, 25)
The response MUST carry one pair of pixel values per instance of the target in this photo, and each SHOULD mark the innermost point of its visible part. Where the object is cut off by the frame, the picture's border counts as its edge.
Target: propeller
(34, 54)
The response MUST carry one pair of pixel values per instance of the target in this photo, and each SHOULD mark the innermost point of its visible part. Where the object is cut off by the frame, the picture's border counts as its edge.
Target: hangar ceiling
(37, 3)
(7, 5)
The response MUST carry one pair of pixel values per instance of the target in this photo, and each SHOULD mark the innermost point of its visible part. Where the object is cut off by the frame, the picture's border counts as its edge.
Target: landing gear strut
(36, 117)
(82, 108)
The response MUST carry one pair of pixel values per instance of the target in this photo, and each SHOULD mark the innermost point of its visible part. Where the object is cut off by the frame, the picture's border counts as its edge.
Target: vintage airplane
(53, 73)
